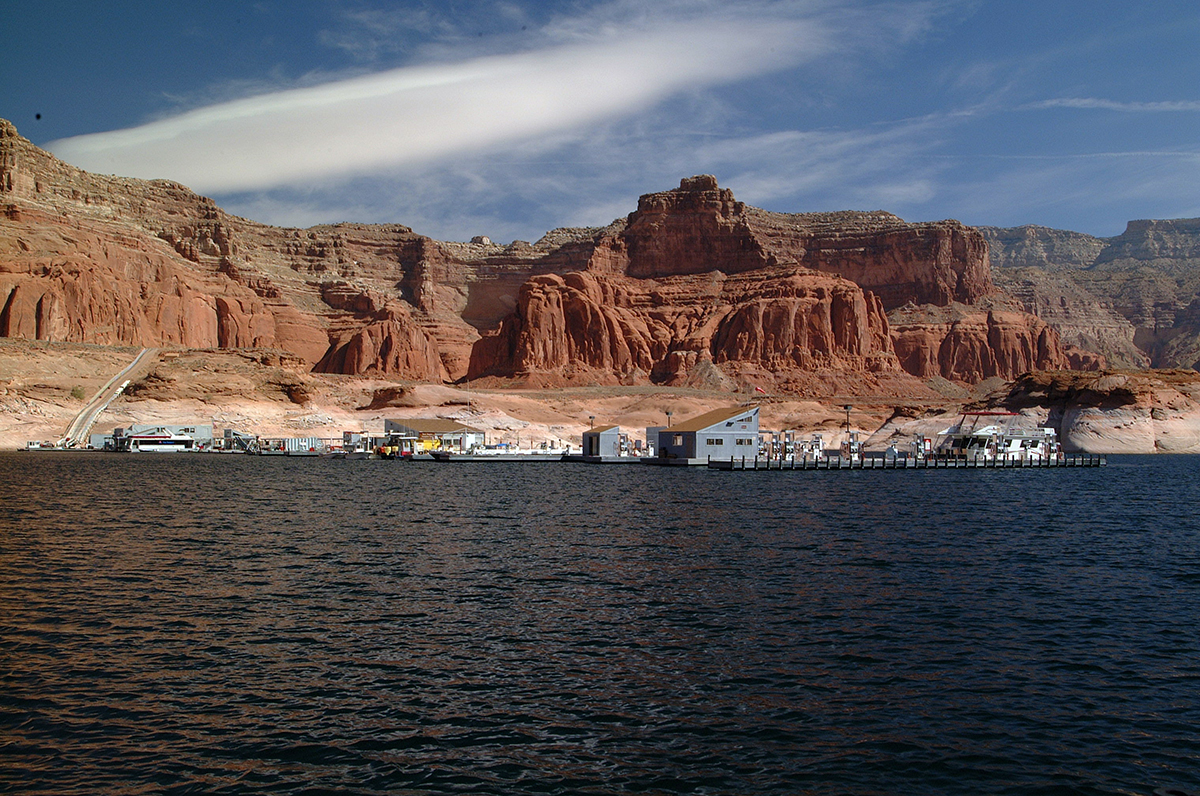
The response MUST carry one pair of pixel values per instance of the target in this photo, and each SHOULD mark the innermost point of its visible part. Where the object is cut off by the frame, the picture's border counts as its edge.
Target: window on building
(678, 440)
(740, 441)
(716, 441)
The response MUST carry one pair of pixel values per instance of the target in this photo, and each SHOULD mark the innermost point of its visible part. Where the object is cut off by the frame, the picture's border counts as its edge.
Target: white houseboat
(162, 441)
(986, 436)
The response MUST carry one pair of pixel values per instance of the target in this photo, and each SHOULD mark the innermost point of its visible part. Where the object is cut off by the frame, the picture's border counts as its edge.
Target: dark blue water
(204, 624)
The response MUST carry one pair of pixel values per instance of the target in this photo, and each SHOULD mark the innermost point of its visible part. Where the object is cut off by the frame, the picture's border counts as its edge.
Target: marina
(723, 439)
(728, 438)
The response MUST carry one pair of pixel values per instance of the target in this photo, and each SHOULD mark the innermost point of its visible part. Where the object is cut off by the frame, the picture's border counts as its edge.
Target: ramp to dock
(77, 431)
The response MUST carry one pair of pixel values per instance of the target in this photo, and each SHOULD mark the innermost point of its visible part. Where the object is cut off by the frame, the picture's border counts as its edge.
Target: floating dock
(904, 463)
(444, 456)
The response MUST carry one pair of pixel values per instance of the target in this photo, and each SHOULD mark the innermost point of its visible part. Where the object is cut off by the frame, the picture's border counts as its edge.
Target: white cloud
(591, 176)
(420, 114)
(1089, 103)
(595, 176)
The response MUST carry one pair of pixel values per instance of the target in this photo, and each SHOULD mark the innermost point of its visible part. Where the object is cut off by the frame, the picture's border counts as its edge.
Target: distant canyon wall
(1134, 298)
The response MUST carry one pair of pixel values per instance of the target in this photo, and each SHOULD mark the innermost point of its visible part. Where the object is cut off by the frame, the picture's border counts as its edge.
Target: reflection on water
(231, 624)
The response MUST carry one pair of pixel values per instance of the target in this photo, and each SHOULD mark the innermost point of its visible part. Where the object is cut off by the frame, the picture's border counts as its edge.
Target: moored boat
(161, 441)
(997, 439)
(501, 453)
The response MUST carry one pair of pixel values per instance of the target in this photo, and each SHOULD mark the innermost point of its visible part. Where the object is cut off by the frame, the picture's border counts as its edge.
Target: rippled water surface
(226, 624)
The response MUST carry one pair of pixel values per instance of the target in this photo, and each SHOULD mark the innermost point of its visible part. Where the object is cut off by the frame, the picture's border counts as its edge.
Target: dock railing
(906, 463)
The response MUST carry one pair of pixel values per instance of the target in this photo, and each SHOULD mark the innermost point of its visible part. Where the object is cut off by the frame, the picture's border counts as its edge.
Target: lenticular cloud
(422, 114)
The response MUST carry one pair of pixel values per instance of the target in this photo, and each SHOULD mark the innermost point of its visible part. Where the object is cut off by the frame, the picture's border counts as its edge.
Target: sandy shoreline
(231, 390)
(44, 385)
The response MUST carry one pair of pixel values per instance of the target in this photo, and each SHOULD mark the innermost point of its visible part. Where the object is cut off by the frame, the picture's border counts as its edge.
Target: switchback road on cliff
(78, 430)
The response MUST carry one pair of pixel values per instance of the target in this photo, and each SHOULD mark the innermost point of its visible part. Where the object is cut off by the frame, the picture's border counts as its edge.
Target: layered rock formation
(692, 285)
(1043, 248)
(700, 228)
(110, 261)
(1135, 297)
(977, 344)
(626, 330)
(693, 276)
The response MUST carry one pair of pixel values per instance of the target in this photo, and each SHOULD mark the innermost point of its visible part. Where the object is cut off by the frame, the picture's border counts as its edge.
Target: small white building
(602, 441)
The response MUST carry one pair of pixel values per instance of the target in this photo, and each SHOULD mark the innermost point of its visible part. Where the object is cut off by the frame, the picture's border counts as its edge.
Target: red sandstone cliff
(700, 227)
(693, 283)
(633, 329)
(782, 292)
(972, 344)
(63, 279)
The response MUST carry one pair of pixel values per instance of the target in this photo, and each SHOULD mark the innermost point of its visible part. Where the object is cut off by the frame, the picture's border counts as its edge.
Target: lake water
(229, 624)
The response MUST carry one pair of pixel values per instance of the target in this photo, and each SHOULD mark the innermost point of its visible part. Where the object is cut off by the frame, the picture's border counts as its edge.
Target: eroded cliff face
(1079, 317)
(391, 343)
(693, 284)
(972, 344)
(797, 293)
(1128, 297)
(66, 280)
(627, 330)
(108, 260)
(700, 227)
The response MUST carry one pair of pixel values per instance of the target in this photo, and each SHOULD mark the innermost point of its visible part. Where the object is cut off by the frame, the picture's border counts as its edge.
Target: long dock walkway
(904, 463)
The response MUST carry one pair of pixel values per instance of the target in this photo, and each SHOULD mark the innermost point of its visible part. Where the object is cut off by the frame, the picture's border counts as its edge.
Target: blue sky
(507, 119)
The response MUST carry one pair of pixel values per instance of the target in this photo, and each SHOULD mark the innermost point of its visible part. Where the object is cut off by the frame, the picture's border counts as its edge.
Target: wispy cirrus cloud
(420, 114)
(371, 34)
(1091, 103)
(591, 177)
